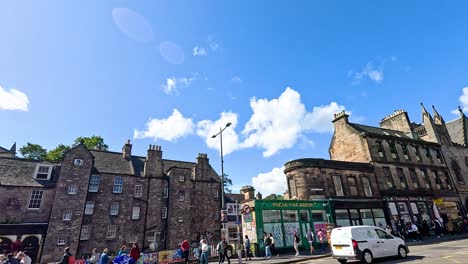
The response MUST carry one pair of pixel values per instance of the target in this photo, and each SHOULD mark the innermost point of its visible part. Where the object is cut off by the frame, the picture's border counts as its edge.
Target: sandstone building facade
(108, 199)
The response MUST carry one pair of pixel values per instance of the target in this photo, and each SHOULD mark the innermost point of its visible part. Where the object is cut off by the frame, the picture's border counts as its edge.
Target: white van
(365, 243)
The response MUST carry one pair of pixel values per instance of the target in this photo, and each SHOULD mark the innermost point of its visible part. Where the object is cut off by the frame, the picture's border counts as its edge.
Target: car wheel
(342, 261)
(367, 257)
(402, 253)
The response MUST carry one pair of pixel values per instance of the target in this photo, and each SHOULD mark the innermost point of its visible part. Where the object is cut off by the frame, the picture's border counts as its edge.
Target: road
(448, 252)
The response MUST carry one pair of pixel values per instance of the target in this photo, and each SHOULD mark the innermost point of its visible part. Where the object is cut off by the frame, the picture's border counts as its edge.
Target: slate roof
(379, 131)
(457, 130)
(19, 172)
(232, 197)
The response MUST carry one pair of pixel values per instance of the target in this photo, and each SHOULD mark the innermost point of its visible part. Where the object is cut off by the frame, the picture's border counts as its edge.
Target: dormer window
(43, 172)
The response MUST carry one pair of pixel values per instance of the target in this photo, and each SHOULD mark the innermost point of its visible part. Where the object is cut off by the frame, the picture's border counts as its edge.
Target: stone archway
(5, 244)
(31, 244)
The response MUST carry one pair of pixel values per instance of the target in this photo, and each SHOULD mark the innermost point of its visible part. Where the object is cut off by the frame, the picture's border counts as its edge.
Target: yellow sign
(439, 201)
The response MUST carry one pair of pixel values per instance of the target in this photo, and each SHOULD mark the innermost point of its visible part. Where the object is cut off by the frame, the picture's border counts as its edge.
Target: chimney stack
(127, 150)
(153, 162)
(259, 196)
(249, 192)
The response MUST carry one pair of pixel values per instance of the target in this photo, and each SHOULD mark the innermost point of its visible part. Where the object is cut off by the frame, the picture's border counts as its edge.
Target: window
(165, 192)
(118, 185)
(352, 185)
(94, 183)
(216, 216)
(366, 216)
(72, 189)
(232, 231)
(437, 180)
(181, 178)
(89, 208)
(292, 187)
(136, 213)
(181, 196)
(78, 162)
(132, 239)
(111, 231)
(401, 176)
(417, 153)
(393, 150)
(438, 156)
(138, 190)
(457, 170)
(85, 232)
(427, 183)
(380, 149)
(414, 178)
(271, 216)
(35, 199)
(164, 212)
(181, 219)
(216, 194)
(427, 152)
(367, 186)
(114, 209)
(404, 148)
(342, 217)
(338, 185)
(67, 215)
(290, 216)
(388, 177)
(61, 241)
(43, 172)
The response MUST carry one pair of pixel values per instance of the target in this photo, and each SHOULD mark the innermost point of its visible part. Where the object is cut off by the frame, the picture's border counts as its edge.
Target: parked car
(365, 243)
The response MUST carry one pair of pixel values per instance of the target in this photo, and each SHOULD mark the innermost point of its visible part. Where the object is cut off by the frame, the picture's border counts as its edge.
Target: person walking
(104, 259)
(220, 249)
(267, 243)
(310, 239)
(185, 246)
(25, 259)
(66, 255)
(204, 252)
(273, 249)
(94, 259)
(321, 236)
(11, 259)
(123, 251)
(247, 248)
(135, 252)
(226, 249)
(296, 241)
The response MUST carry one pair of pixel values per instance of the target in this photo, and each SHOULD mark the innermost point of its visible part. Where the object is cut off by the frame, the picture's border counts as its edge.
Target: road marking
(449, 258)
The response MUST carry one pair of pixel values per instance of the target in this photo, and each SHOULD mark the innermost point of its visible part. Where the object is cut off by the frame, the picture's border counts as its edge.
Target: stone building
(408, 162)
(27, 190)
(231, 224)
(107, 199)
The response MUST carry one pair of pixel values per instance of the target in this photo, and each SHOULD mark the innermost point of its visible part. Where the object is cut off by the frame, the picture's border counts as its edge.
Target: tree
(274, 197)
(33, 151)
(92, 142)
(56, 154)
(227, 184)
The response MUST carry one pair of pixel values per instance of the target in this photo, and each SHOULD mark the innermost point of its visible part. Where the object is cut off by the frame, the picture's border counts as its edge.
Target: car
(365, 243)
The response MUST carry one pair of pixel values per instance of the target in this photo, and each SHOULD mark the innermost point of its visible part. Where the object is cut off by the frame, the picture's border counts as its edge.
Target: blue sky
(172, 72)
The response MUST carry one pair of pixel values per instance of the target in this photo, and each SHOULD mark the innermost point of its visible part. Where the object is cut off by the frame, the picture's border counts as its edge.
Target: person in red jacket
(135, 252)
(185, 246)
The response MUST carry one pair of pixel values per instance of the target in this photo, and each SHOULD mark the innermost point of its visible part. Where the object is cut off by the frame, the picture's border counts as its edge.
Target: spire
(462, 114)
(437, 117)
(13, 149)
(425, 113)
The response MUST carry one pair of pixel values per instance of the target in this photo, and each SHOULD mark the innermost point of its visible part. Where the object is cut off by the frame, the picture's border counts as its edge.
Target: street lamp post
(220, 133)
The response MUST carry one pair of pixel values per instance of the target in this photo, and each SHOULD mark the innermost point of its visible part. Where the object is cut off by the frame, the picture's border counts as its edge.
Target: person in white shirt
(26, 259)
(204, 252)
(94, 257)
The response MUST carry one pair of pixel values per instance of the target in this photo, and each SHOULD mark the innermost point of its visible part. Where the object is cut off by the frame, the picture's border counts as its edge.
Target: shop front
(404, 210)
(22, 237)
(282, 218)
(359, 212)
(448, 208)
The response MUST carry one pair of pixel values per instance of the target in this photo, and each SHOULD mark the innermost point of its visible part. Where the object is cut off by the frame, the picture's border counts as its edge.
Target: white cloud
(463, 100)
(372, 71)
(13, 100)
(207, 128)
(273, 182)
(320, 119)
(173, 84)
(212, 43)
(170, 129)
(236, 79)
(197, 51)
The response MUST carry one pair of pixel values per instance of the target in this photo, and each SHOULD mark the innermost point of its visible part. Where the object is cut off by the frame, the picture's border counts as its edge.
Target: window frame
(138, 191)
(94, 183)
(352, 187)
(181, 196)
(114, 209)
(338, 183)
(111, 232)
(35, 198)
(164, 213)
(181, 178)
(136, 213)
(72, 189)
(402, 178)
(367, 189)
(216, 194)
(166, 192)
(38, 168)
(388, 176)
(77, 162)
(67, 215)
(118, 185)
(85, 232)
(426, 179)
(61, 240)
(88, 205)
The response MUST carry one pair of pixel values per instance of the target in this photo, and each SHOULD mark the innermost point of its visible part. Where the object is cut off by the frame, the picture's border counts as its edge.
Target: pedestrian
(220, 249)
(310, 239)
(26, 259)
(450, 228)
(227, 248)
(239, 252)
(424, 228)
(296, 241)
(2, 258)
(104, 259)
(321, 236)
(185, 247)
(123, 251)
(204, 252)
(388, 229)
(11, 259)
(66, 256)
(273, 249)
(267, 243)
(135, 252)
(19, 256)
(247, 248)
(94, 259)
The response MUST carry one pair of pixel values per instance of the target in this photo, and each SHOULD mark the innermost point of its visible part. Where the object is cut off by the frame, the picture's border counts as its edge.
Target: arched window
(457, 171)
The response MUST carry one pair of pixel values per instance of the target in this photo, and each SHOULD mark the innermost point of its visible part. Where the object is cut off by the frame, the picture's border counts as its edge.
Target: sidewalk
(435, 240)
(284, 258)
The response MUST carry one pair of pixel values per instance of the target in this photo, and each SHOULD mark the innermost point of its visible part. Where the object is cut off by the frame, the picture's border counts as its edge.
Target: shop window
(319, 216)
(379, 217)
(290, 216)
(352, 185)
(338, 185)
(366, 216)
(404, 148)
(304, 215)
(414, 178)
(271, 216)
(401, 176)
(342, 217)
(367, 186)
(403, 208)
(232, 233)
(388, 177)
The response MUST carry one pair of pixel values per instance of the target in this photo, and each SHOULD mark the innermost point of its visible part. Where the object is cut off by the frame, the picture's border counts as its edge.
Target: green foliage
(56, 154)
(92, 142)
(274, 197)
(33, 151)
(227, 184)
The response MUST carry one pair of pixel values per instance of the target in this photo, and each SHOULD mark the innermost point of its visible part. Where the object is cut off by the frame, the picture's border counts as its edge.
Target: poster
(148, 258)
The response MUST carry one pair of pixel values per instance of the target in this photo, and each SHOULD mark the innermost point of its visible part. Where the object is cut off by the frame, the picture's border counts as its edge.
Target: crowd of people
(424, 229)
(22, 257)
(103, 257)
